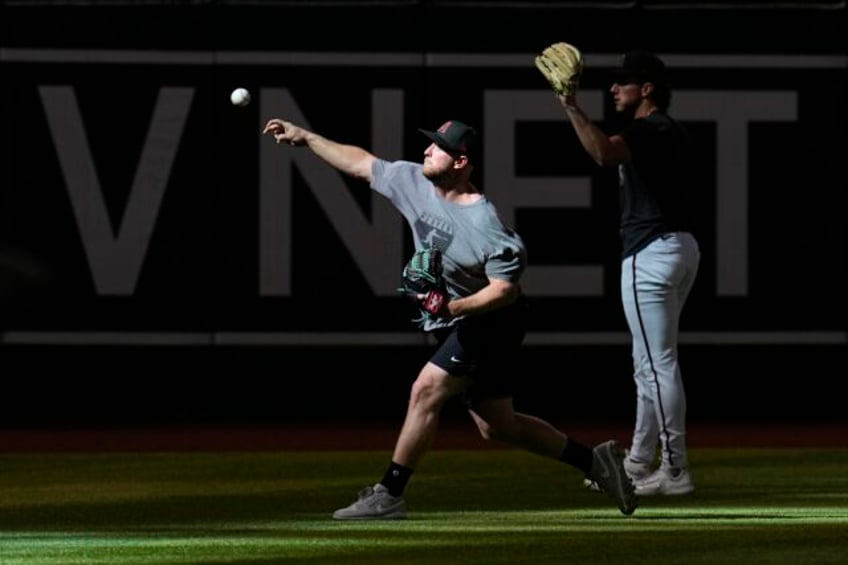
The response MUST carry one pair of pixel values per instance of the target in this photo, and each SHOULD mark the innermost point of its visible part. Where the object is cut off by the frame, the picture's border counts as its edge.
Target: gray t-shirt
(475, 242)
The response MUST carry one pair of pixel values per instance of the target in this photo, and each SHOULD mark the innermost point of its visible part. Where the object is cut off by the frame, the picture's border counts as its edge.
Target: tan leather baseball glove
(562, 65)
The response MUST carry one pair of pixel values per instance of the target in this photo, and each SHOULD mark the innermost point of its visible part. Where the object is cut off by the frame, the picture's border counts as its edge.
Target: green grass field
(751, 506)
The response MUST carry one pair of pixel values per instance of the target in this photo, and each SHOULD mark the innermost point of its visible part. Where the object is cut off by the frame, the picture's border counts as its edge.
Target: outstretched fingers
(282, 131)
(274, 126)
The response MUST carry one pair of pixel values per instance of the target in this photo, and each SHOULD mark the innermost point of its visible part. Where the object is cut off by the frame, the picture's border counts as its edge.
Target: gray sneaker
(636, 471)
(373, 503)
(609, 474)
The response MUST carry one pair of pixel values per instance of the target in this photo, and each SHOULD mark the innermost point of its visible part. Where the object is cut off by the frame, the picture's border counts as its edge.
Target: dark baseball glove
(562, 65)
(423, 283)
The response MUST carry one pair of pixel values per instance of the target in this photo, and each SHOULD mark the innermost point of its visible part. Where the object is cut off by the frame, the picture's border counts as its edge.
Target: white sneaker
(635, 470)
(666, 480)
(373, 503)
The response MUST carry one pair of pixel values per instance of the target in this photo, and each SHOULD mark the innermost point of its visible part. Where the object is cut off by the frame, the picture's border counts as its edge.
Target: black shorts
(485, 349)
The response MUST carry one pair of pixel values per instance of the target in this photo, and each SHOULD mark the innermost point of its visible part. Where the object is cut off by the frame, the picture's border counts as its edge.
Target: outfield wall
(151, 238)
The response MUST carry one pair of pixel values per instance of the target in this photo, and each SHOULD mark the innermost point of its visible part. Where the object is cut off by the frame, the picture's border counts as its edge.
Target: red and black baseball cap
(640, 67)
(455, 138)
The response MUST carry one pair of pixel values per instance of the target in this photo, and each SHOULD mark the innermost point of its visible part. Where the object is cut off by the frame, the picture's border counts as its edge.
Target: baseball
(240, 97)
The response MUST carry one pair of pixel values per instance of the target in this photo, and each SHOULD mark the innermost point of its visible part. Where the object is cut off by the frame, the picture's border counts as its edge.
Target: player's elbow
(612, 153)
(605, 156)
(507, 292)
(606, 161)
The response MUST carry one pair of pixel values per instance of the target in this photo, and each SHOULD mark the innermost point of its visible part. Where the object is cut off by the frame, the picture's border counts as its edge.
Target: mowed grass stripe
(499, 506)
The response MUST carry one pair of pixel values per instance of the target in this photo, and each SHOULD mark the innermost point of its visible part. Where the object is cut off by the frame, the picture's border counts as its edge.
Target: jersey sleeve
(508, 259)
(390, 178)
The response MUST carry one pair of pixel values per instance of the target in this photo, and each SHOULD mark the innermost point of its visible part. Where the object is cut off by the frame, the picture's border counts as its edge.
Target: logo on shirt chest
(433, 231)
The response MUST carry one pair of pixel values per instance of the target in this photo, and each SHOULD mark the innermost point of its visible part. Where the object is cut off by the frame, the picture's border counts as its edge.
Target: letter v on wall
(115, 256)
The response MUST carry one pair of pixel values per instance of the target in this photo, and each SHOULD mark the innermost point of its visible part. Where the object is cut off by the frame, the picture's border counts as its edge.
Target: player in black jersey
(660, 258)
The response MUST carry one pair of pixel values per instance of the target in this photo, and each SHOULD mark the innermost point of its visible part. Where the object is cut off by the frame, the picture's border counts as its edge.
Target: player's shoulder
(385, 166)
(656, 126)
(398, 173)
(662, 121)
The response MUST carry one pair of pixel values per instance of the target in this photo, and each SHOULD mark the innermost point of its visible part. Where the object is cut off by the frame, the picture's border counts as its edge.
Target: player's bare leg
(603, 465)
(433, 387)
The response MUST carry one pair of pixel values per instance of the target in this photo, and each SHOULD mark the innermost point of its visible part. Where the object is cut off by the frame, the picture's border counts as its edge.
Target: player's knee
(429, 394)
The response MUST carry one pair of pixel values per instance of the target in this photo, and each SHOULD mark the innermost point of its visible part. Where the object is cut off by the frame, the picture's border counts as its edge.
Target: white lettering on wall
(503, 110)
(374, 238)
(733, 111)
(376, 245)
(115, 260)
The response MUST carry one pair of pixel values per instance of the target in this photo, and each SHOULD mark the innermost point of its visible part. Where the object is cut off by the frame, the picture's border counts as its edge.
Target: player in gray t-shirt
(479, 327)
(476, 245)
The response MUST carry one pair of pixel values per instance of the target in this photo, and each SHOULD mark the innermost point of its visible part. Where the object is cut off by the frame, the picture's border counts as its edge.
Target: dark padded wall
(161, 262)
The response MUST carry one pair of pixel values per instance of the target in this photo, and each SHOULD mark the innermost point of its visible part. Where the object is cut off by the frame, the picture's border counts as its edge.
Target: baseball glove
(562, 65)
(423, 283)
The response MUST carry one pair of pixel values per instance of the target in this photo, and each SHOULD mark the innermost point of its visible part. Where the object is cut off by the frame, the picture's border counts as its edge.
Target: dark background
(200, 274)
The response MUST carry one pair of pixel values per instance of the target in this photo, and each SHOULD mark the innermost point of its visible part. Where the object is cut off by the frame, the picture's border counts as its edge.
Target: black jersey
(653, 185)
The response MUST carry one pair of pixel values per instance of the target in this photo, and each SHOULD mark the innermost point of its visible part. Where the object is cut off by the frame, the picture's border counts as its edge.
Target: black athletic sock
(396, 478)
(577, 455)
